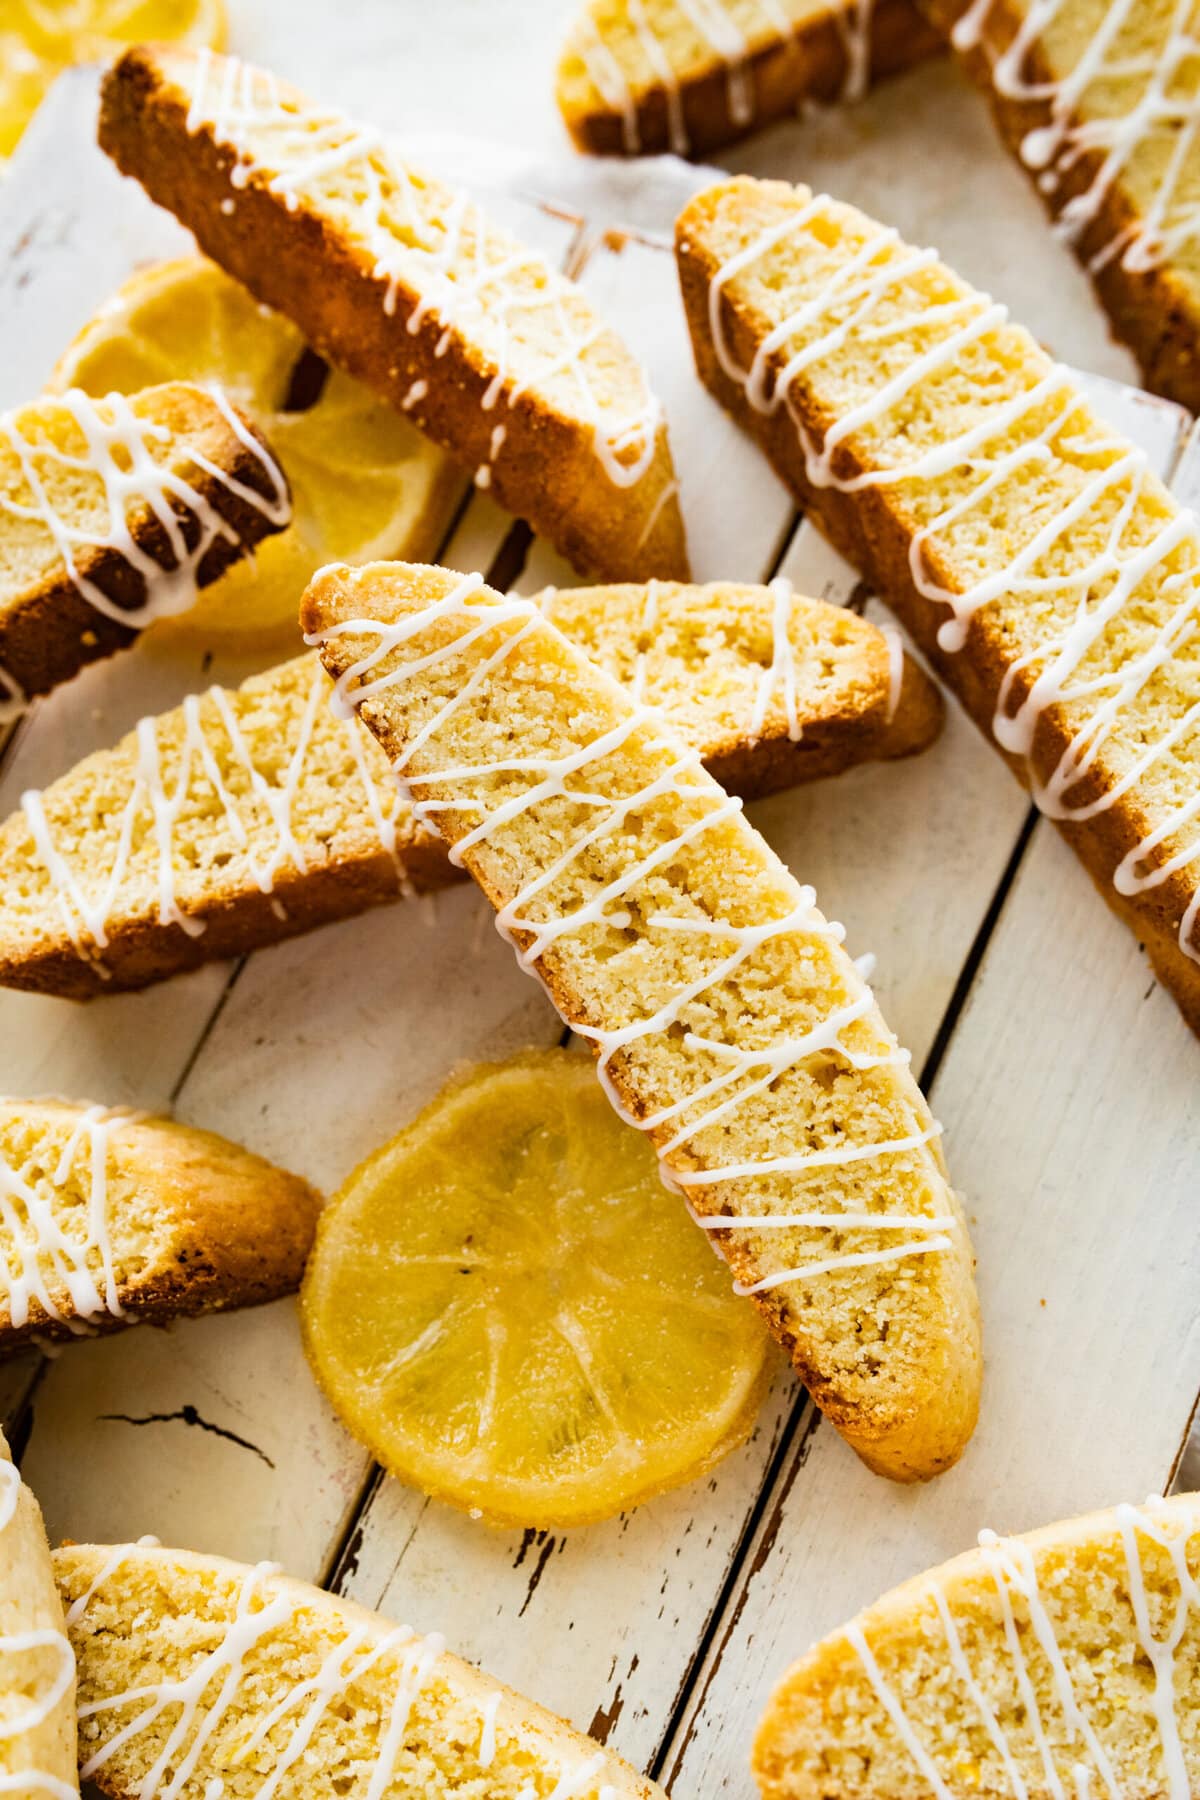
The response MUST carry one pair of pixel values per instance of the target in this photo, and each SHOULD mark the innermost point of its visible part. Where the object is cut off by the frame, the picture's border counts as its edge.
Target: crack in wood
(762, 1529)
(187, 1415)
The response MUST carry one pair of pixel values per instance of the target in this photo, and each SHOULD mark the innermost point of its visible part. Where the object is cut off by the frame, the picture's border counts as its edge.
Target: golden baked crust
(332, 1678)
(37, 1688)
(694, 113)
(1153, 307)
(831, 1732)
(529, 408)
(728, 1021)
(307, 797)
(153, 1219)
(49, 629)
(1112, 818)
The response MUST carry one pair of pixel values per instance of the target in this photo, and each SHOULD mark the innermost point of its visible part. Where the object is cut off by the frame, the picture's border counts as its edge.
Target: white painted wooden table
(1063, 1075)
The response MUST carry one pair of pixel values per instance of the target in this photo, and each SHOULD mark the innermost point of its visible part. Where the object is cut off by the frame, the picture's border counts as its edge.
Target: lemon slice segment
(507, 1306)
(365, 483)
(41, 38)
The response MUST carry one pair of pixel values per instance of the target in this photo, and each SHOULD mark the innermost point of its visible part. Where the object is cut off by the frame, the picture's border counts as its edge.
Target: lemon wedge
(365, 483)
(41, 38)
(507, 1306)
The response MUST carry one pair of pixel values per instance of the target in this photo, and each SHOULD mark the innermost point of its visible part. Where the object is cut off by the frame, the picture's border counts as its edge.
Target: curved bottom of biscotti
(149, 949)
(906, 1436)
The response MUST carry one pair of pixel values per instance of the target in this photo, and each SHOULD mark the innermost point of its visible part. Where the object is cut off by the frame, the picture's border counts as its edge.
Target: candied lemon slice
(365, 483)
(507, 1306)
(41, 38)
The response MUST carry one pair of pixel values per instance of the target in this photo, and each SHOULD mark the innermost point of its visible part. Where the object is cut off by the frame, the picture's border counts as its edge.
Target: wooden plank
(737, 512)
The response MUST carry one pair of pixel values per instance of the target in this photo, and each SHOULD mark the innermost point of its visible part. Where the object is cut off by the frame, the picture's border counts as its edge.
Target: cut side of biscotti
(37, 1665)
(257, 1684)
(638, 77)
(241, 818)
(770, 687)
(1032, 552)
(409, 287)
(1064, 1662)
(728, 1021)
(111, 1218)
(254, 813)
(1099, 100)
(113, 512)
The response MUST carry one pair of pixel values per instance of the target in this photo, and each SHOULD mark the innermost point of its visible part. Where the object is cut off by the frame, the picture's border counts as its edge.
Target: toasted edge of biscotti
(29, 1602)
(548, 472)
(910, 1438)
(1155, 310)
(241, 1228)
(814, 1708)
(810, 63)
(50, 631)
(878, 546)
(516, 1724)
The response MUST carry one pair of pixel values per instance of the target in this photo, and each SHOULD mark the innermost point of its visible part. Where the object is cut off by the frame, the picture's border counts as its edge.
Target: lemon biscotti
(1034, 555)
(112, 513)
(640, 76)
(248, 815)
(1063, 1662)
(771, 688)
(243, 1677)
(409, 287)
(37, 1666)
(727, 1019)
(1100, 102)
(109, 1218)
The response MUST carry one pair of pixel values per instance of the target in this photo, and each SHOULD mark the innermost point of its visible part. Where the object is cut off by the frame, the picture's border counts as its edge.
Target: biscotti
(240, 1675)
(37, 1666)
(770, 687)
(1032, 553)
(251, 814)
(1063, 1662)
(109, 1218)
(407, 286)
(1100, 103)
(728, 1021)
(113, 513)
(637, 77)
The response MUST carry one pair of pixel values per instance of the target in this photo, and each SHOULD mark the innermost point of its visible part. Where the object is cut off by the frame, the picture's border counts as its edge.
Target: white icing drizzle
(732, 43)
(198, 1702)
(741, 1072)
(1103, 586)
(47, 1694)
(1157, 69)
(130, 456)
(49, 1249)
(487, 1730)
(86, 898)
(1027, 1616)
(895, 650)
(531, 321)
(782, 671)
